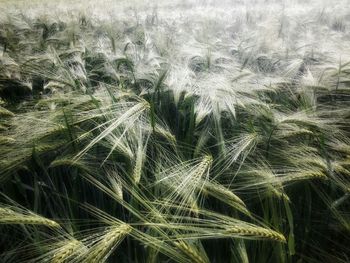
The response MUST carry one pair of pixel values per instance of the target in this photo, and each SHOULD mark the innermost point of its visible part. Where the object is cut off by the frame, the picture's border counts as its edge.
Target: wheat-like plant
(16, 215)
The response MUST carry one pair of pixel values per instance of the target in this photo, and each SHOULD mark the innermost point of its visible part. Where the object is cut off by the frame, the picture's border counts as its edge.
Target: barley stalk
(203, 166)
(256, 232)
(67, 249)
(100, 251)
(8, 216)
(191, 252)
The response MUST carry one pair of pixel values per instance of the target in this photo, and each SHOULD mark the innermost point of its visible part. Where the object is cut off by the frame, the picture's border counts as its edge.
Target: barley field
(175, 131)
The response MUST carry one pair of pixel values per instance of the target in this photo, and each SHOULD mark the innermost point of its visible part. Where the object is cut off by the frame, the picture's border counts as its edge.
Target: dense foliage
(181, 133)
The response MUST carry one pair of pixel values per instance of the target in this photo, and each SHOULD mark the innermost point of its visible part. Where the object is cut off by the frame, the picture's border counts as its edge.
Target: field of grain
(175, 131)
